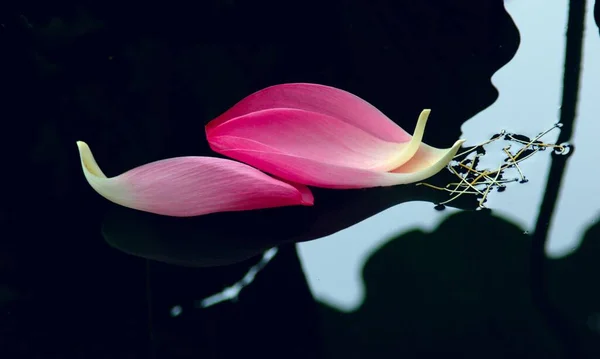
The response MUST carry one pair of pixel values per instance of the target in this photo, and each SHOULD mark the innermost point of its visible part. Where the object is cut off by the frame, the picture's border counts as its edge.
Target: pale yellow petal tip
(456, 146)
(459, 143)
(83, 147)
(421, 122)
(88, 162)
(423, 116)
(408, 149)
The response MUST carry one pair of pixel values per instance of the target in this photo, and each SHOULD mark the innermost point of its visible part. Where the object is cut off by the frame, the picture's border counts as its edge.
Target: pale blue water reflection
(530, 90)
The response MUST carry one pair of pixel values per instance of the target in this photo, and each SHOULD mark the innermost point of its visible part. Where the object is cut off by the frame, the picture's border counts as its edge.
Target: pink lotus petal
(321, 99)
(315, 136)
(192, 186)
(325, 137)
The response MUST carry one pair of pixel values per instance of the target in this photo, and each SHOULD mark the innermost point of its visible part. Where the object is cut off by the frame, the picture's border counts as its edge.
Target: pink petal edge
(192, 186)
(321, 99)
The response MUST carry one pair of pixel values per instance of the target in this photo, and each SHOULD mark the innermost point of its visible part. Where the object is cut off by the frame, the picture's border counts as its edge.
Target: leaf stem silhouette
(539, 271)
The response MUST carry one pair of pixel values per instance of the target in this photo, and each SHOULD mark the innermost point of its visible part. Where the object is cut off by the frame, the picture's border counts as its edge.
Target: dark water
(83, 278)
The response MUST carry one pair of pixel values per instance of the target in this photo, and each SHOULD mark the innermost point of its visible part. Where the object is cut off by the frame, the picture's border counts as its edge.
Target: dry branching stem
(473, 181)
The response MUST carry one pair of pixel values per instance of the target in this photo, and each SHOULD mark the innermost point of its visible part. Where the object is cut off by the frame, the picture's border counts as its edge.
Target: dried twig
(474, 181)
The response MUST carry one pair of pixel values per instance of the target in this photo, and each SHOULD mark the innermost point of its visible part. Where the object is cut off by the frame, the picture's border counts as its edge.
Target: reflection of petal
(426, 162)
(192, 186)
(320, 99)
(316, 137)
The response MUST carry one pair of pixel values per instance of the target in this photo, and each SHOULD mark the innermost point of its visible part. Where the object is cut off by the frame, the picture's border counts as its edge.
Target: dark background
(138, 83)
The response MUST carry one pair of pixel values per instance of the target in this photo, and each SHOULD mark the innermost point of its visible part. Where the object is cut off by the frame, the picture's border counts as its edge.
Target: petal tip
(423, 117)
(82, 146)
(456, 147)
(459, 142)
(88, 162)
(307, 198)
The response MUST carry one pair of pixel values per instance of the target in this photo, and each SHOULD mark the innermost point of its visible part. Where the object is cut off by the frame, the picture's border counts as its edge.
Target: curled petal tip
(88, 162)
(106, 187)
(82, 146)
(306, 196)
(405, 151)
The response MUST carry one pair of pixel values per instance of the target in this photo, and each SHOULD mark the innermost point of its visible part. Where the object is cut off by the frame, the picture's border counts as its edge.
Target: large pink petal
(427, 162)
(192, 186)
(322, 99)
(314, 136)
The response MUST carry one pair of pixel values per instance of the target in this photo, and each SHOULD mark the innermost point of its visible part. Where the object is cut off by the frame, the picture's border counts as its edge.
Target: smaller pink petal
(325, 100)
(192, 186)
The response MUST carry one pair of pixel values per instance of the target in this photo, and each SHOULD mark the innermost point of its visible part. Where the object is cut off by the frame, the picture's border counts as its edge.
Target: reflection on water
(473, 291)
(576, 208)
(233, 292)
(530, 90)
